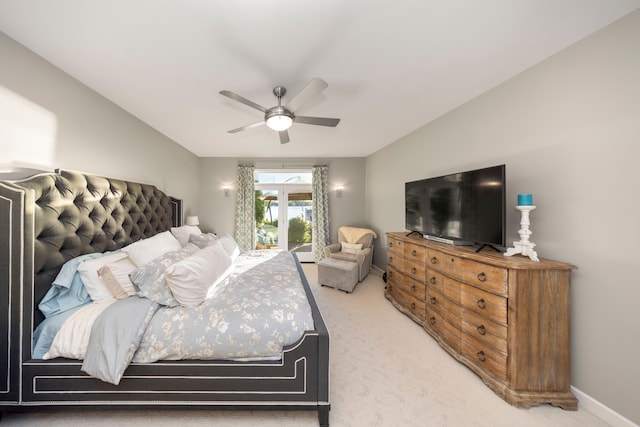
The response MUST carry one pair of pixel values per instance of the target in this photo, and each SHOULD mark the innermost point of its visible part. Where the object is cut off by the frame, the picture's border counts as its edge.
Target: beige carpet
(385, 371)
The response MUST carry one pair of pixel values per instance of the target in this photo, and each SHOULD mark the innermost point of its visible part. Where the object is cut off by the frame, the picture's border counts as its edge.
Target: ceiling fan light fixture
(279, 119)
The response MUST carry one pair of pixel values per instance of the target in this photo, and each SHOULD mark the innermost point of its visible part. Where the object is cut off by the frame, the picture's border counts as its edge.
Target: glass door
(284, 212)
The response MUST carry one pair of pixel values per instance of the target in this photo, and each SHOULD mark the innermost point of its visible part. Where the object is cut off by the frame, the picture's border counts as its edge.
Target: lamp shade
(279, 122)
(192, 220)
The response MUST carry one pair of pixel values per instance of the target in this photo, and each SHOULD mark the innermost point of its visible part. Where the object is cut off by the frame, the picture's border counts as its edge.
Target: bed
(47, 221)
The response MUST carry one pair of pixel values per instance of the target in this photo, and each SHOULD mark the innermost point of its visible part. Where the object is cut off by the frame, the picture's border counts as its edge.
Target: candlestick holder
(524, 246)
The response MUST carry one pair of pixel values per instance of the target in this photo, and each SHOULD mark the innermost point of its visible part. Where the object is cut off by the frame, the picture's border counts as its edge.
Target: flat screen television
(460, 208)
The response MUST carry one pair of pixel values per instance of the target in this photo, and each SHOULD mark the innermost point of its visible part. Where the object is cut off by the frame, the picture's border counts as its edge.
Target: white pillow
(95, 286)
(190, 279)
(73, 337)
(351, 248)
(183, 233)
(230, 246)
(143, 251)
(116, 277)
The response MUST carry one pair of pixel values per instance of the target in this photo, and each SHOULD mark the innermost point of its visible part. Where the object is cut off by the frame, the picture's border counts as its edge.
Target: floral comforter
(260, 308)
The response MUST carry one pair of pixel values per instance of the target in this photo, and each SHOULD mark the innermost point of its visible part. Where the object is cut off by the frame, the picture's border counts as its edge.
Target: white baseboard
(601, 411)
(377, 270)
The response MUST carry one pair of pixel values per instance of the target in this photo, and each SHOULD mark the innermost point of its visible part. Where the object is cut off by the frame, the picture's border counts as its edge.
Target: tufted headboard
(67, 214)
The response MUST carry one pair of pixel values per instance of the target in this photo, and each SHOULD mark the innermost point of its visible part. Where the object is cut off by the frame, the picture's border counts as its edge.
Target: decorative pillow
(183, 233)
(149, 279)
(88, 270)
(143, 251)
(202, 240)
(190, 279)
(116, 277)
(230, 246)
(351, 248)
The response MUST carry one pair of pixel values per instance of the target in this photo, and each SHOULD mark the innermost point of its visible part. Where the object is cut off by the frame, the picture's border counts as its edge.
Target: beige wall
(568, 131)
(94, 135)
(216, 212)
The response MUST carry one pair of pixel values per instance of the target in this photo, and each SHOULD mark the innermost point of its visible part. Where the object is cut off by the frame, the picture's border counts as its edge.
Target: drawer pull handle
(432, 320)
(413, 306)
(482, 277)
(413, 288)
(413, 270)
(481, 303)
(390, 244)
(390, 274)
(414, 253)
(433, 280)
(481, 356)
(434, 300)
(390, 259)
(481, 330)
(434, 260)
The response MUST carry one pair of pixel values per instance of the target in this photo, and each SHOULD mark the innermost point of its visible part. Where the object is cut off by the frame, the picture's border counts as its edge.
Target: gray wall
(568, 131)
(95, 135)
(216, 212)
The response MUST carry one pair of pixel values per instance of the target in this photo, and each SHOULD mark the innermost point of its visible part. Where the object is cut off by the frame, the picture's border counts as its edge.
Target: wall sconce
(339, 190)
(227, 190)
(192, 220)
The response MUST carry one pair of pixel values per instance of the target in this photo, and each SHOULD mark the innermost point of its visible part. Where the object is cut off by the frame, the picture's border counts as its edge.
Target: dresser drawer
(435, 280)
(393, 277)
(415, 269)
(411, 304)
(416, 253)
(434, 300)
(406, 296)
(491, 306)
(452, 336)
(451, 290)
(484, 330)
(484, 356)
(485, 276)
(433, 321)
(412, 287)
(396, 261)
(394, 245)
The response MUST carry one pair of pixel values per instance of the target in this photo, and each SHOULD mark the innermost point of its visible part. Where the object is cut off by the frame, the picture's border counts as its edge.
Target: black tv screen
(465, 207)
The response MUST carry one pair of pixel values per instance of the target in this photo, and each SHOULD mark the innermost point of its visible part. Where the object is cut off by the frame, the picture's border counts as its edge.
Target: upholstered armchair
(355, 245)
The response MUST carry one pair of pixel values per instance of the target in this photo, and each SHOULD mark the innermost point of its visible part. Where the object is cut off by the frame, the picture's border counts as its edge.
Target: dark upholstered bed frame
(50, 218)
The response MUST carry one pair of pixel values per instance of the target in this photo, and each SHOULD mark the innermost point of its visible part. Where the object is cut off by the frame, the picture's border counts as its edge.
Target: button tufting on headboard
(76, 213)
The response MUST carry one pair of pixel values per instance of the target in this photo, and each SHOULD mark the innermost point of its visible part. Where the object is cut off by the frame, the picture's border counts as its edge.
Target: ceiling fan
(281, 118)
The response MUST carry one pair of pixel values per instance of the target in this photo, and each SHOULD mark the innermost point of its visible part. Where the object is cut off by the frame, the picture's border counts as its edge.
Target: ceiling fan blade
(243, 100)
(245, 127)
(314, 87)
(284, 136)
(320, 121)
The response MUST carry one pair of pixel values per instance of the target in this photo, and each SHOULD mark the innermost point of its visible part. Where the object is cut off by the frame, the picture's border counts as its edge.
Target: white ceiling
(391, 66)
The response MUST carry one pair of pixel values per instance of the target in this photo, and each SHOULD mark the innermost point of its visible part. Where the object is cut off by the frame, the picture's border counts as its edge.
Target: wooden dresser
(506, 318)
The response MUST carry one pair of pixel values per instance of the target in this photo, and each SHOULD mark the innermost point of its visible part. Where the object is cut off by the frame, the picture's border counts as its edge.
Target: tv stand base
(482, 246)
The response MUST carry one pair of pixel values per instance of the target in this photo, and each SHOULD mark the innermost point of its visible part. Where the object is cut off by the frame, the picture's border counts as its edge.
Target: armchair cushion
(330, 249)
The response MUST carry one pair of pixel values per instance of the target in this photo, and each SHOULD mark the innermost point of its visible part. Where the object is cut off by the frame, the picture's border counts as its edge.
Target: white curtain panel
(245, 227)
(320, 196)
